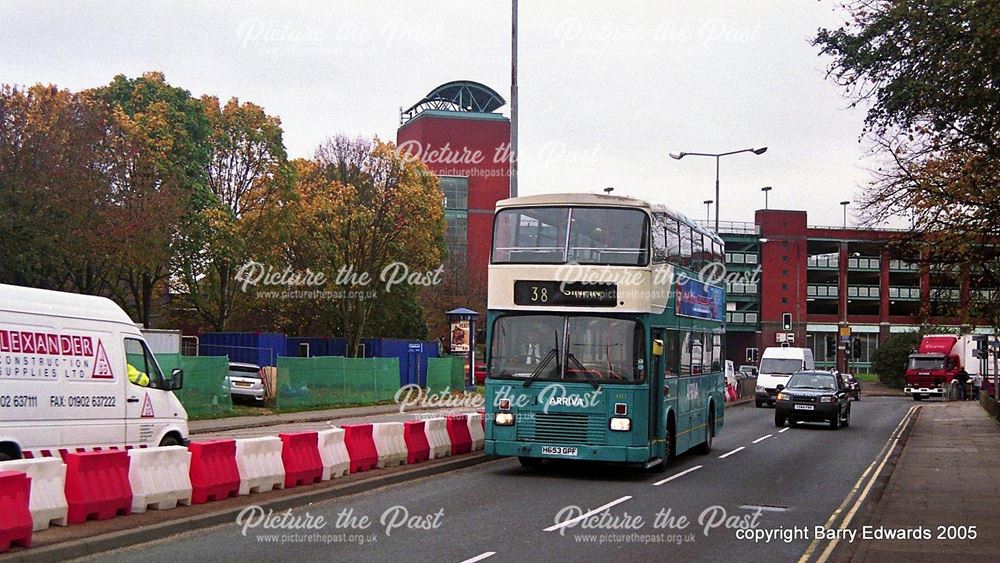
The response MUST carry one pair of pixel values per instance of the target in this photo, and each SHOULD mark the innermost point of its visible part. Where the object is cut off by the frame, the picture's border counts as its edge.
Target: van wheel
(170, 440)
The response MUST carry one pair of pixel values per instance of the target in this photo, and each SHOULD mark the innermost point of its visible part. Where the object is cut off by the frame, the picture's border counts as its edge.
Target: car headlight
(784, 397)
(760, 389)
(827, 399)
(621, 424)
(504, 419)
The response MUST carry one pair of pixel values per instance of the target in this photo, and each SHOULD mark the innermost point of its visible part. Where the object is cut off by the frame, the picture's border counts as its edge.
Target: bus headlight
(504, 419)
(621, 424)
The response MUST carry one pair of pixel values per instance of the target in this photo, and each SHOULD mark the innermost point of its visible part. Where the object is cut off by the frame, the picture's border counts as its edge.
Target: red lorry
(936, 361)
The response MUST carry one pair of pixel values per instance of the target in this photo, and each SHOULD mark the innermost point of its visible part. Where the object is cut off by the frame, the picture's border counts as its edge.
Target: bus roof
(603, 200)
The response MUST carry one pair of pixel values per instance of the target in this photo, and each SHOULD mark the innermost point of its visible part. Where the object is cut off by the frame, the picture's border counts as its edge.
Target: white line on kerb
(762, 438)
(584, 516)
(486, 555)
(724, 456)
(681, 474)
(786, 429)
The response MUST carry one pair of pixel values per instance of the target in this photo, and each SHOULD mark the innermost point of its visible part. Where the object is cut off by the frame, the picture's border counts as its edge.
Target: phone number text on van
(18, 401)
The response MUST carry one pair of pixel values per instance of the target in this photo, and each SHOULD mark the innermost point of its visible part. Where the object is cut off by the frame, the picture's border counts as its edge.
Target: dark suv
(813, 396)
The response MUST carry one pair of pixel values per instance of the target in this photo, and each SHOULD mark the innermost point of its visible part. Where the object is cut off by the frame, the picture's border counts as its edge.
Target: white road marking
(786, 429)
(681, 474)
(724, 456)
(762, 438)
(486, 555)
(586, 515)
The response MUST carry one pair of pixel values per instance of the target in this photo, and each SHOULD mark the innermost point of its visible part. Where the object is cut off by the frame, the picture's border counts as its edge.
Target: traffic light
(856, 345)
(786, 321)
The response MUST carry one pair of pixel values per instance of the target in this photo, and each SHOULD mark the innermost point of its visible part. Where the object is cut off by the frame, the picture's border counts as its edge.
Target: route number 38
(539, 294)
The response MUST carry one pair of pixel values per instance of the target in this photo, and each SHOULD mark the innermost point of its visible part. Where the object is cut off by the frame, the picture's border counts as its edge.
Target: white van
(64, 383)
(776, 365)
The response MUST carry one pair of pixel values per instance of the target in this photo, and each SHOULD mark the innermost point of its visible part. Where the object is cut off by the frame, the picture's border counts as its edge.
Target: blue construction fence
(264, 349)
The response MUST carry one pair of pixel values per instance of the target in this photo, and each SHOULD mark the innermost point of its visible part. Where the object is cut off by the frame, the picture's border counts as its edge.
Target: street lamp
(845, 204)
(708, 213)
(608, 190)
(717, 157)
(765, 189)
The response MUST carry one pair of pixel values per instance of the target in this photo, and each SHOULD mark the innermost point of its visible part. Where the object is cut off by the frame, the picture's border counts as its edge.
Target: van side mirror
(780, 387)
(176, 379)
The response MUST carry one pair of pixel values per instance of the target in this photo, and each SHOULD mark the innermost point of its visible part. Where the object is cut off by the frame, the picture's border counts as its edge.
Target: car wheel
(917, 396)
(779, 419)
(758, 403)
(529, 461)
(4, 456)
(835, 421)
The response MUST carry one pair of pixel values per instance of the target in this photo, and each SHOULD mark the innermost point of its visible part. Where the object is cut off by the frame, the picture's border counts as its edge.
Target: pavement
(948, 439)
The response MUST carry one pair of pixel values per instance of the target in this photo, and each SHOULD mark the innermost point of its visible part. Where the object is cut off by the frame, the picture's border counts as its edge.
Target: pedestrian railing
(990, 405)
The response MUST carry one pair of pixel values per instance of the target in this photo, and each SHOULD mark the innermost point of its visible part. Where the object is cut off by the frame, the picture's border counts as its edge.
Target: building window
(456, 192)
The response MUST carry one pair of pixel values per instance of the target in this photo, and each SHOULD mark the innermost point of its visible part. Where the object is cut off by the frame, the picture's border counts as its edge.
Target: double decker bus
(603, 341)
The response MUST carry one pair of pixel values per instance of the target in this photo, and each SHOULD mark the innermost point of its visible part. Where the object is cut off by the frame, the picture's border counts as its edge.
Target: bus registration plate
(558, 450)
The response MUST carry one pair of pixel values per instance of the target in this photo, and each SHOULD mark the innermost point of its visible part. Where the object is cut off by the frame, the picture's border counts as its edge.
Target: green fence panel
(333, 381)
(206, 388)
(457, 373)
(439, 372)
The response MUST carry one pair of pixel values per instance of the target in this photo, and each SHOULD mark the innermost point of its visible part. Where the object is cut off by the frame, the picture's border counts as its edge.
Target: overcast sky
(607, 89)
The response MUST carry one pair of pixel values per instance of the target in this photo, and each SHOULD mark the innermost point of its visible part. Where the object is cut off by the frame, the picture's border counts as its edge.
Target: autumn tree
(366, 210)
(53, 202)
(249, 174)
(928, 72)
(155, 161)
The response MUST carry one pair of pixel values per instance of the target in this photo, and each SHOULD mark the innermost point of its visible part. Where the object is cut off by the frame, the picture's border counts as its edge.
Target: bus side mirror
(657, 347)
(176, 379)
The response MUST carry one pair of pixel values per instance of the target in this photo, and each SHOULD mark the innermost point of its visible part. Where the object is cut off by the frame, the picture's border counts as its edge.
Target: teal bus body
(675, 405)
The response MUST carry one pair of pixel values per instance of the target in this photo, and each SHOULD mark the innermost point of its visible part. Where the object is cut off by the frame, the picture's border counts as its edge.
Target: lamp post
(608, 190)
(766, 189)
(845, 204)
(708, 212)
(717, 157)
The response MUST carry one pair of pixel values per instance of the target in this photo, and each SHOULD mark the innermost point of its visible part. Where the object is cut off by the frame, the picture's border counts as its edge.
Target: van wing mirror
(780, 387)
(176, 379)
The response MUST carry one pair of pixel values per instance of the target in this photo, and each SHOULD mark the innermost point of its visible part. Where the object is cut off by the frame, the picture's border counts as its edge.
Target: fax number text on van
(83, 401)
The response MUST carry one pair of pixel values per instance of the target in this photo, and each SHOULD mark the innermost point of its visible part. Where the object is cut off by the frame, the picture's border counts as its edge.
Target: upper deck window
(581, 235)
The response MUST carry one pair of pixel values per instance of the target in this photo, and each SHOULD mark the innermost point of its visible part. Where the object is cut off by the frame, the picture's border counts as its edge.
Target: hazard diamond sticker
(102, 367)
(147, 408)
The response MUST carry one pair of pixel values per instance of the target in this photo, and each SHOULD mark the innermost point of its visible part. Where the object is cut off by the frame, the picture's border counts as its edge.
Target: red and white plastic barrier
(361, 447)
(476, 431)
(214, 474)
(97, 486)
(417, 448)
(160, 477)
(458, 433)
(389, 443)
(15, 523)
(300, 457)
(437, 436)
(259, 463)
(333, 452)
(48, 489)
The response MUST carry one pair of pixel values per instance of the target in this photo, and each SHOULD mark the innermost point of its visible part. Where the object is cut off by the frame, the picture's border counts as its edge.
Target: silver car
(245, 381)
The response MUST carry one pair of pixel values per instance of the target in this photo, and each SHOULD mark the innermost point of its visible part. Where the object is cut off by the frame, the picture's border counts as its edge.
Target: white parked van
(65, 361)
(776, 365)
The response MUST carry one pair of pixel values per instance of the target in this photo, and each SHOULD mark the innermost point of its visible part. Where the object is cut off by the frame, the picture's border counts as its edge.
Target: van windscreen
(781, 366)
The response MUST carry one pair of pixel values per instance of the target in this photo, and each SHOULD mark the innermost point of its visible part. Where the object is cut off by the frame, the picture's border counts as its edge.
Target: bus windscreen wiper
(541, 366)
(572, 358)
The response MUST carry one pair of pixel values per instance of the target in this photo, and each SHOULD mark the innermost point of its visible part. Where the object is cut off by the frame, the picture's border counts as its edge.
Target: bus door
(657, 424)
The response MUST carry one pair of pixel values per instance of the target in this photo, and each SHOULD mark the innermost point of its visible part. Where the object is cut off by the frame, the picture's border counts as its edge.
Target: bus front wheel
(529, 461)
(705, 447)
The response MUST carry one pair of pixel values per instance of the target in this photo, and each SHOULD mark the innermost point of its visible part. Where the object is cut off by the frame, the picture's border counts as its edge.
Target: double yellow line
(864, 486)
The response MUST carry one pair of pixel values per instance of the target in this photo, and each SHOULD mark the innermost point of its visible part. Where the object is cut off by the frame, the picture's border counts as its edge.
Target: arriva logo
(555, 395)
